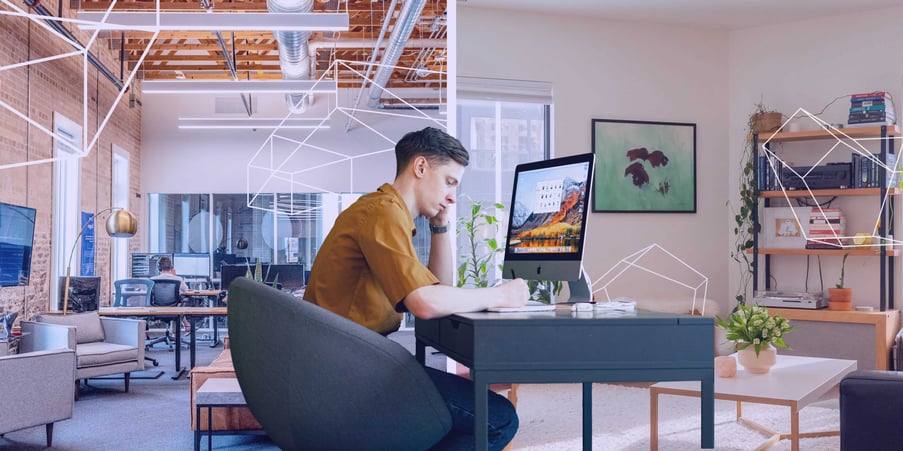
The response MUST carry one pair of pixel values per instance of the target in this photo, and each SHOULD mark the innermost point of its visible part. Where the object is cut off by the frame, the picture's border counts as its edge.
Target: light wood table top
(148, 311)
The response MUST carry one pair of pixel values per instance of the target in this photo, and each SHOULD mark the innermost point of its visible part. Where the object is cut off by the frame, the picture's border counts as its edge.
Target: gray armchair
(102, 346)
(315, 380)
(36, 389)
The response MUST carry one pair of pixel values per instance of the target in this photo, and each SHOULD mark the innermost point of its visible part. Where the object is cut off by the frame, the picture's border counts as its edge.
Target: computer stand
(581, 289)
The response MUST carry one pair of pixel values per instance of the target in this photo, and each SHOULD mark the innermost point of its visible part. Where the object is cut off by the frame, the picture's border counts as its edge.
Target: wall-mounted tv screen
(16, 242)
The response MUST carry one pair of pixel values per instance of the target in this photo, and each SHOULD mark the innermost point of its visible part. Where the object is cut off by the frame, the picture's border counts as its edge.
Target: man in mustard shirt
(367, 269)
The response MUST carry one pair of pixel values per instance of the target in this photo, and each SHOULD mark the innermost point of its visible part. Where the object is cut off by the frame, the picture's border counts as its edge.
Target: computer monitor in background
(547, 222)
(84, 293)
(145, 264)
(191, 265)
(289, 277)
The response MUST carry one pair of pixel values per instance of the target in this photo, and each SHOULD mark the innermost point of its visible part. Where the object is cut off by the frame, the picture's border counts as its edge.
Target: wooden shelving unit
(885, 325)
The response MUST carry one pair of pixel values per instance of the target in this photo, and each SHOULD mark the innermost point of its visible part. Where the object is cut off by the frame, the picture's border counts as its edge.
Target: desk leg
(653, 419)
(177, 332)
(588, 416)
(197, 428)
(707, 399)
(192, 341)
(215, 330)
(420, 352)
(794, 427)
(480, 413)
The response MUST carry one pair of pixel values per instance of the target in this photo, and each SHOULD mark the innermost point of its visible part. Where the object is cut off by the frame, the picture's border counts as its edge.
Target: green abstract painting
(644, 167)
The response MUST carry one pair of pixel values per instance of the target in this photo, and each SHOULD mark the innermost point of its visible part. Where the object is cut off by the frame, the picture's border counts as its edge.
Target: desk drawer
(459, 336)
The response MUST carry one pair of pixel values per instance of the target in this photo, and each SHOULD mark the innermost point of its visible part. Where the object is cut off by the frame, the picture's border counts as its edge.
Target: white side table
(214, 392)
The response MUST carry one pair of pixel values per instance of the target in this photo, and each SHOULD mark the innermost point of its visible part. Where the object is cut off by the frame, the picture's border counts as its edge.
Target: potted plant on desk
(841, 297)
(757, 334)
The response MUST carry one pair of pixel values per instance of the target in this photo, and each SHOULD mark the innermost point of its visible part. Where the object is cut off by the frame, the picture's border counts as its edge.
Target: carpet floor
(154, 415)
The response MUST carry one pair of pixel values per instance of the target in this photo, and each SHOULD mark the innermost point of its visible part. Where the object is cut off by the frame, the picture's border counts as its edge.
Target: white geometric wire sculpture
(848, 144)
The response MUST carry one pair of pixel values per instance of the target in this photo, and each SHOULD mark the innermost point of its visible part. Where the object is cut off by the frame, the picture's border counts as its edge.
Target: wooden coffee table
(794, 382)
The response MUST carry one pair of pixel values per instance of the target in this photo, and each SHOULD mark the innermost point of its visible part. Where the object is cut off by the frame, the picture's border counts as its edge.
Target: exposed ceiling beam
(245, 86)
(204, 21)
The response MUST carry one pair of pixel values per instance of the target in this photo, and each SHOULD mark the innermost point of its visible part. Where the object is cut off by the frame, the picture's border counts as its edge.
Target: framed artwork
(785, 227)
(644, 167)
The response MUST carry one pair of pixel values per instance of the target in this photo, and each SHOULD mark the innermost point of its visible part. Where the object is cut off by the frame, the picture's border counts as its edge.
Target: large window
(66, 199)
(120, 194)
(499, 136)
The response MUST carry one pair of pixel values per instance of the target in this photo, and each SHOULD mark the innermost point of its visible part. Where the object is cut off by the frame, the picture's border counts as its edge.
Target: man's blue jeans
(458, 394)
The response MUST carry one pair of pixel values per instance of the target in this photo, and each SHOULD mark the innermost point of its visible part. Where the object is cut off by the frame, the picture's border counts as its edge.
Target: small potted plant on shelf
(841, 297)
(757, 334)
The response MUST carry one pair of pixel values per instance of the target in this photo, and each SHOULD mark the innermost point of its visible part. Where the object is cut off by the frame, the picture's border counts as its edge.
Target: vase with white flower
(757, 334)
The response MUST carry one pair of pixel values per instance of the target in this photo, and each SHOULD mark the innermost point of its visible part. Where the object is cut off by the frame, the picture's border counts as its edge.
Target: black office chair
(135, 293)
(166, 293)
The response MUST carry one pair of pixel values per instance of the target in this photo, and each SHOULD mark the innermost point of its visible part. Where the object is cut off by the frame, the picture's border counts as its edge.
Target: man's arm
(434, 301)
(441, 258)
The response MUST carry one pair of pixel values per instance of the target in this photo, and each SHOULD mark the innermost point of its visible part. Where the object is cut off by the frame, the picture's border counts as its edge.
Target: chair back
(166, 293)
(304, 370)
(132, 292)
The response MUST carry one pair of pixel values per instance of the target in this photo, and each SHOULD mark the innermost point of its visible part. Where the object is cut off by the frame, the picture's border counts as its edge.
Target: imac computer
(547, 222)
(191, 265)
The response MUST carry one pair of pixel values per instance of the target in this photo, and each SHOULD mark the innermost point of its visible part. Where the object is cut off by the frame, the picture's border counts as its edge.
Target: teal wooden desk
(560, 347)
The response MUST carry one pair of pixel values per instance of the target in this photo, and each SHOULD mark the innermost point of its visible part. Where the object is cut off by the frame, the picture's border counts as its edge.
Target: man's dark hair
(164, 264)
(435, 145)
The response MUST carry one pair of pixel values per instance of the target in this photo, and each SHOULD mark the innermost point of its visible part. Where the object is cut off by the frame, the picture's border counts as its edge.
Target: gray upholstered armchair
(315, 380)
(36, 389)
(102, 346)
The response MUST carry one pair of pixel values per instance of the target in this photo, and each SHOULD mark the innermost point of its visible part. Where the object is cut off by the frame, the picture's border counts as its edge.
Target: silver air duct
(404, 25)
(293, 51)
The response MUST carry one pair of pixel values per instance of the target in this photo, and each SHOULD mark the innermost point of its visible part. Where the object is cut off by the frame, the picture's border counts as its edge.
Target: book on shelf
(865, 108)
(871, 124)
(863, 103)
(882, 114)
(874, 95)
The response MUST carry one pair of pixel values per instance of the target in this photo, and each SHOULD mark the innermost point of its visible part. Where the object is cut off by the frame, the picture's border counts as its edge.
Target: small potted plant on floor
(757, 334)
(841, 297)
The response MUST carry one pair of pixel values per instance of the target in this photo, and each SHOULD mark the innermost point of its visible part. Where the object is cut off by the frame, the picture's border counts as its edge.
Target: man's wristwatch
(440, 229)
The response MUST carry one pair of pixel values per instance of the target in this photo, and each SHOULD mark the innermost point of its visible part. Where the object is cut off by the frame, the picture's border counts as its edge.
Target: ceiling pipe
(404, 25)
(107, 73)
(293, 52)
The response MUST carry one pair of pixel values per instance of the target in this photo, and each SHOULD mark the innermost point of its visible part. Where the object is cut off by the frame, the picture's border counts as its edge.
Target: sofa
(227, 418)
(870, 402)
(36, 389)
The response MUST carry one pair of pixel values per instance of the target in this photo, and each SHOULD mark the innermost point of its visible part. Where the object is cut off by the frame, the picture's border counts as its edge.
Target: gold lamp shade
(122, 224)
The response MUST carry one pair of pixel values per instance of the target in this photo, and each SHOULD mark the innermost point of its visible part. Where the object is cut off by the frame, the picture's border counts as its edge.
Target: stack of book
(871, 108)
(825, 228)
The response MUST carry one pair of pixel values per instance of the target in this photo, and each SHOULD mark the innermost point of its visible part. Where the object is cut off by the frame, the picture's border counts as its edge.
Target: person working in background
(168, 272)
(367, 269)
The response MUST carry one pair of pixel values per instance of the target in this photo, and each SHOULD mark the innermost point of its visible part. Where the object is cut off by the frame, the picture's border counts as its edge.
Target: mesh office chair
(135, 293)
(165, 293)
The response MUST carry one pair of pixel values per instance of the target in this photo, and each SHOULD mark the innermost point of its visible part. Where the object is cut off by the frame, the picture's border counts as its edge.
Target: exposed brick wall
(38, 90)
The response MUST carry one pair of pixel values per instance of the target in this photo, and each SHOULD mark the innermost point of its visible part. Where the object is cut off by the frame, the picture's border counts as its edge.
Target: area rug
(550, 419)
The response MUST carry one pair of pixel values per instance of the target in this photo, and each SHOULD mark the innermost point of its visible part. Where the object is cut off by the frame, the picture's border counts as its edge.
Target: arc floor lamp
(120, 224)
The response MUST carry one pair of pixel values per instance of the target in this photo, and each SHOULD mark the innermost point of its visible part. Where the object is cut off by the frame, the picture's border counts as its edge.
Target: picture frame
(644, 166)
(782, 229)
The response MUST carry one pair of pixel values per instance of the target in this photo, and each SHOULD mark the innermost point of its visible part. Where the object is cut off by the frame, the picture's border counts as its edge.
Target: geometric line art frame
(776, 165)
(270, 166)
(82, 51)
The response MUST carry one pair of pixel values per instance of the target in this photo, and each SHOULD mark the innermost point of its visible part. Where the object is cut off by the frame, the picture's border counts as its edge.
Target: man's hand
(514, 293)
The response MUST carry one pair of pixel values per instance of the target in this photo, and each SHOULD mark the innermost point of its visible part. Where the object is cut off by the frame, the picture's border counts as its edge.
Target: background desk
(170, 311)
(559, 347)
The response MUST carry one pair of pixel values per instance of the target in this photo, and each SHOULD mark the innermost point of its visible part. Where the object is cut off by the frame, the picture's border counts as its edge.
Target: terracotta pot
(840, 294)
(766, 122)
(840, 306)
(760, 364)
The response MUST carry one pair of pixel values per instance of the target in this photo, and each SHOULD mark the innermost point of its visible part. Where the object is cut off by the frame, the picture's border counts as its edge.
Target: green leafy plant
(751, 325)
(478, 230)
(744, 227)
(542, 290)
(258, 276)
(843, 267)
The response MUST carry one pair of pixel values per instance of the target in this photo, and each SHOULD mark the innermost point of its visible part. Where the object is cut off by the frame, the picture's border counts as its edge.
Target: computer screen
(84, 293)
(290, 277)
(145, 264)
(547, 222)
(191, 265)
(16, 242)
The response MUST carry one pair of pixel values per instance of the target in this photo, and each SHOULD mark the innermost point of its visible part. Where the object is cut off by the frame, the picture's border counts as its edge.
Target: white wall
(617, 70)
(807, 65)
